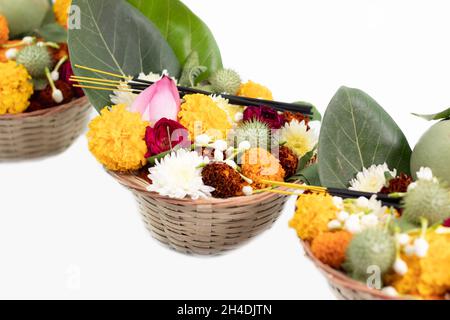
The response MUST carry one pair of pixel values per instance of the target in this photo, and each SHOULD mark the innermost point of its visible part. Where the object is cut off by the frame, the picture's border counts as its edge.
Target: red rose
(165, 135)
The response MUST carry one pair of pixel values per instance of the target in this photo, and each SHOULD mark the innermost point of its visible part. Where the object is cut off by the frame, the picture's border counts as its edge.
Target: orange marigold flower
(427, 277)
(314, 212)
(61, 8)
(330, 247)
(4, 30)
(254, 90)
(260, 164)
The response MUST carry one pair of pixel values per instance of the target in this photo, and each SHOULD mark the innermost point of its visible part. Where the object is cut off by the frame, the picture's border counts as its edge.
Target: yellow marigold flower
(15, 88)
(60, 8)
(314, 212)
(4, 30)
(428, 277)
(200, 114)
(330, 247)
(259, 164)
(116, 139)
(254, 90)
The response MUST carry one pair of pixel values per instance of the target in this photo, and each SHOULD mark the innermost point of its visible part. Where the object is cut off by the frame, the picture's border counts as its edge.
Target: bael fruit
(433, 151)
(24, 16)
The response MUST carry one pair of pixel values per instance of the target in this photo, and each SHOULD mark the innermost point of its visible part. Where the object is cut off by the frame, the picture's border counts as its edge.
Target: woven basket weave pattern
(204, 227)
(343, 287)
(42, 133)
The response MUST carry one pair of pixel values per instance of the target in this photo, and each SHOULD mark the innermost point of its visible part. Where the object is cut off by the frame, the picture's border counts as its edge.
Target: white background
(67, 230)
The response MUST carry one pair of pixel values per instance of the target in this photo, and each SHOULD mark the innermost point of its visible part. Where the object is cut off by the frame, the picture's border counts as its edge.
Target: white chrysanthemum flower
(179, 175)
(127, 98)
(372, 179)
(298, 138)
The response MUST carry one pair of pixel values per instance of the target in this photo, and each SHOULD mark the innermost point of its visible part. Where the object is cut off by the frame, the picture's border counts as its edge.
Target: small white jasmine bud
(238, 117)
(353, 224)
(403, 239)
(362, 202)
(28, 40)
(412, 186)
(334, 225)
(369, 220)
(425, 174)
(409, 250)
(338, 202)
(55, 75)
(11, 54)
(343, 216)
(421, 247)
(57, 96)
(244, 146)
(220, 145)
(230, 152)
(231, 163)
(390, 291)
(247, 190)
(218, 156)
(202, 139)
(400, 267)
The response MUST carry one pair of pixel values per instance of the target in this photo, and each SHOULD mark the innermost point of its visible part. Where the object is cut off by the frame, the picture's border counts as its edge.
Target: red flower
(264, 114)
(65, 73)
(165, 135)
(447, 223)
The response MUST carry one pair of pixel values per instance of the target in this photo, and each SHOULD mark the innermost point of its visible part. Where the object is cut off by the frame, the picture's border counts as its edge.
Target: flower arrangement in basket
(203, 152)
(373, 229)
(37, 99)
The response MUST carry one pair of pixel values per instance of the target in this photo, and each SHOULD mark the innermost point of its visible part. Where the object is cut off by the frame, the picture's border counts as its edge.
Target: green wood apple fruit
(23, 15)
(433, 151)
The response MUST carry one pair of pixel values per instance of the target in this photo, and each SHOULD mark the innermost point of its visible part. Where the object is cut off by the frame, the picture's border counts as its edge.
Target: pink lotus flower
(160, 100)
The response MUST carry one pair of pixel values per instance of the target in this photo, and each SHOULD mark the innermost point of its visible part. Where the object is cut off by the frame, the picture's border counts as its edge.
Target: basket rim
(44, 112)
(338, 277)
(133, 182)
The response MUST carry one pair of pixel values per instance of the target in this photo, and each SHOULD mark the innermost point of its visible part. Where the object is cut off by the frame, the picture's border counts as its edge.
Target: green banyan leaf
(309, 175)
(437, 116)
(356, 133)
(184, 31)
(117, 38)
(52, 32)
(316, 116)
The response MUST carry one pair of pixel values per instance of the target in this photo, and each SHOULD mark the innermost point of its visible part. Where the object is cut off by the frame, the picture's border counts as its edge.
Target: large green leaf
(436, 116)
(184, 31)
(117, 38)
(356, 132)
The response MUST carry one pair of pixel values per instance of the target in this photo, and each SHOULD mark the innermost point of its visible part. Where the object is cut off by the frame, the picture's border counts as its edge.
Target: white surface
(67, 230)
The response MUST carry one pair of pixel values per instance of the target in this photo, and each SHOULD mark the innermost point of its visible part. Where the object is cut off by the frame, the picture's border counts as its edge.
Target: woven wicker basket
(44, 132)
(203, 227)
(343, 287)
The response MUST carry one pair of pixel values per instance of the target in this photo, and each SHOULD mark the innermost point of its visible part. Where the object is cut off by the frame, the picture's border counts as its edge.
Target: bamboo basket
(42, 133)
(203, 227)
(342, 286)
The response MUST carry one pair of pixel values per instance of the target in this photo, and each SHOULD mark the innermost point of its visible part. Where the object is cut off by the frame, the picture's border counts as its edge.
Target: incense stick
(139, 85)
